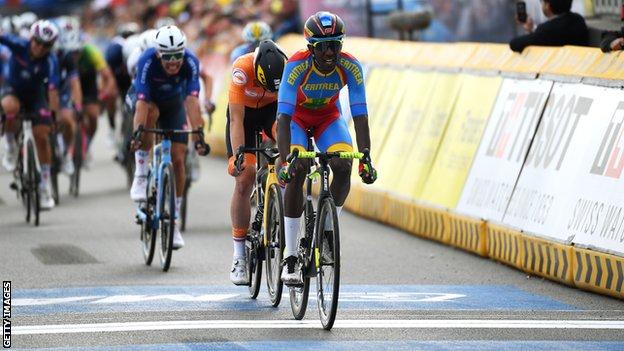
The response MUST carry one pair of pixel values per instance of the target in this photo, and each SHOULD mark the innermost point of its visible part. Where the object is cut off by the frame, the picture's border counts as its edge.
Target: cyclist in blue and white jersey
(167, 88)
(32, 80)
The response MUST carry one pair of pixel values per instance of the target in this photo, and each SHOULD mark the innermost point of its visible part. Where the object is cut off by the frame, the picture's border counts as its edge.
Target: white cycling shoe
(291, 274)
(68, 165)
(178, 242)
(238, 274)
(9, 159)
(46, 202)
(139, 188)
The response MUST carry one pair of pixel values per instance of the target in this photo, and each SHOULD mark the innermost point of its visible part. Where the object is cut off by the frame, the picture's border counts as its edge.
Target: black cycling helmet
(269, 61)
(323, 26)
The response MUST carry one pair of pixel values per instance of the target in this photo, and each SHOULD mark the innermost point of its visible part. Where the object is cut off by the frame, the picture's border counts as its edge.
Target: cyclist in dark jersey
(32, 80)
(91, 64)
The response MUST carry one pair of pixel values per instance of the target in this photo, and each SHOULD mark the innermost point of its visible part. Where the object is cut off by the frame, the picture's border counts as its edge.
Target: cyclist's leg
(335, 137)
(10, 106)
(67, 124)
(42, 123)
(293, 204)
(88, 83)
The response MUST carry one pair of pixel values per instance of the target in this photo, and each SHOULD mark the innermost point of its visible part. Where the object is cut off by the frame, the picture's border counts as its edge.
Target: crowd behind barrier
(516, 157)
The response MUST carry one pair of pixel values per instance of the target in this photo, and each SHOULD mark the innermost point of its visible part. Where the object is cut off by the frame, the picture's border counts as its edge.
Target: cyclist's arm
(193, 111)
(10, 41)
(53, 77)
(283, 135)
(362, 133)
(140, 113)
(237, 129)
(53, 98)
(142, 88)
(207, 78)
(357, 101)
(109, 85)
(192, 93)
(76, 91)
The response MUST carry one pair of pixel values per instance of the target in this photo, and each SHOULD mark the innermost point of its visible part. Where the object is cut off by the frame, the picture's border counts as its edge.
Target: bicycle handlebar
(270, 153)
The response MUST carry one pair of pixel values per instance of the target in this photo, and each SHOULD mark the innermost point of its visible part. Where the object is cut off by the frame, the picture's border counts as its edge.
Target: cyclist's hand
(201, 146)
(281, 169)
(236, 164)
(209, 106)
(367, 172)
(136, 141)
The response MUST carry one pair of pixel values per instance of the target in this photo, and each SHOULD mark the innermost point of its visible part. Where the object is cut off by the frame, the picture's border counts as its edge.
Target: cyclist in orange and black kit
(252, 105)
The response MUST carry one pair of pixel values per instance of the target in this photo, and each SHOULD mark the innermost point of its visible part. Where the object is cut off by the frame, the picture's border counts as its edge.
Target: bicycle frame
(28, 136)
(161, 158)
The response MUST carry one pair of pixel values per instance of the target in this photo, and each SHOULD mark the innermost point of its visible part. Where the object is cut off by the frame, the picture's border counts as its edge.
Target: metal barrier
(607, 7)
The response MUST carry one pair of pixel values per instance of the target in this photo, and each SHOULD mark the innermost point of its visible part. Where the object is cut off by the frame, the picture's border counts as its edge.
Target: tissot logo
(556, 130)
(609, 161)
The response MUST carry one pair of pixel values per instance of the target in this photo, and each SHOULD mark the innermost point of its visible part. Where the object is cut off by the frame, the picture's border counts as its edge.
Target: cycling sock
(291, 226)
(9, 141)
(61, 143)
(45, 175)
(178, 203)
(140, 159)
(239, 247)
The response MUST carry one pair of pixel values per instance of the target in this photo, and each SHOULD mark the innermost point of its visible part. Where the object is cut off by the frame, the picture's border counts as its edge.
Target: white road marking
(293, 324)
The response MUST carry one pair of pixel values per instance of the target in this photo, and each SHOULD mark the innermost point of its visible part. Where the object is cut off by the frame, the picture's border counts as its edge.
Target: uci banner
(546, 183)
(503, 148)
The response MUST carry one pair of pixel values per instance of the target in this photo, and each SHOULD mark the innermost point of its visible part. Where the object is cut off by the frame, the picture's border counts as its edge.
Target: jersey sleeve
(192, 86)
(12, 42)
(53, 72)
(355, 82)
(141, 81)
(71, 66)
(240, 78)
(95, 57)
(294, 73)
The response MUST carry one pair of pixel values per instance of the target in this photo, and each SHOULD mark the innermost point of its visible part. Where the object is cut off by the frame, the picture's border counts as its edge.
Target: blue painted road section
(230, 298)
(370, 346)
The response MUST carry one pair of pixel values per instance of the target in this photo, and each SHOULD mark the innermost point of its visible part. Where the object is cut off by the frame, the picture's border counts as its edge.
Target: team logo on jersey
(251, 93)
(239, 77)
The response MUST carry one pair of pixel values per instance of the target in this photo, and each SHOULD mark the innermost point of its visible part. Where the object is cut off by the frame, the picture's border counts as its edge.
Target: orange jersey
(242, 88)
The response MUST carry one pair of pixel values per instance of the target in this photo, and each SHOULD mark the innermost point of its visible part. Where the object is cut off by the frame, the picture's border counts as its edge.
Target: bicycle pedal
(13, 186)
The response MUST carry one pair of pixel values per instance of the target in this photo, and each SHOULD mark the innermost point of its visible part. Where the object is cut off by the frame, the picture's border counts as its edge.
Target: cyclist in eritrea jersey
(252, 106)
(32, 80)
(167, 87)
(114, 59)
(308, 99)
(69, 87)
(91, 64)
(253, 33)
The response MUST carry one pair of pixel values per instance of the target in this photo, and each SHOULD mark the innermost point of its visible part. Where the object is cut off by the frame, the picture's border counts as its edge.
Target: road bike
(318, 253)
(265, 238)
(157, 214)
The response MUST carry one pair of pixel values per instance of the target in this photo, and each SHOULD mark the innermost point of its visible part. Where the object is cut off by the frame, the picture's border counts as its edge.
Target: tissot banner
(503, 148)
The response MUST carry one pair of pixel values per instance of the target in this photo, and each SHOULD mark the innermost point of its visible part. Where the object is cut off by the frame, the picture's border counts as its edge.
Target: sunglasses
(43, 43)
(334, 45)
(172, 57)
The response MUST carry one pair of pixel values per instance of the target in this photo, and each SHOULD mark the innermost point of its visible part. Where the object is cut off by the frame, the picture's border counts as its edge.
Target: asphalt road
(79, 281)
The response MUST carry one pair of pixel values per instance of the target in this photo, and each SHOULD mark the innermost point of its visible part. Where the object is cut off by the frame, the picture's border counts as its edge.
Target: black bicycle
(266, 235)
(319, 243)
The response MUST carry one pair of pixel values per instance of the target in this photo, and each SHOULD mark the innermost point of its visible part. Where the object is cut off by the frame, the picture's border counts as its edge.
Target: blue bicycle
(157, 214)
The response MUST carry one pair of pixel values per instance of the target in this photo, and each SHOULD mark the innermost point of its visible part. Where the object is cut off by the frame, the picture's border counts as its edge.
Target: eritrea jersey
(310, 97)
(24, 73)
(153, 84)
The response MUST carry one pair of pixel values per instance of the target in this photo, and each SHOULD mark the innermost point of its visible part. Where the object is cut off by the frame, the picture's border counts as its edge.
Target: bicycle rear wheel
(148, 233)
(327, 258)
(33, 184)
(184, 204)
(167, 217)
(56, 166)
(275, 234)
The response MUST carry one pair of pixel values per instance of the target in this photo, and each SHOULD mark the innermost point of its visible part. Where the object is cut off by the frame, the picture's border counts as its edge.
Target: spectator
(612, 41)
(563, 27)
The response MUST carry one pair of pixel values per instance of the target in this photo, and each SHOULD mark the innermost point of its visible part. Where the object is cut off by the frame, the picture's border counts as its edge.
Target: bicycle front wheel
(275, 235)
(74, 180)
(327, 259)
(167, 217)
(184, 204)
(57, 158)
(148, 234)
(33, 183)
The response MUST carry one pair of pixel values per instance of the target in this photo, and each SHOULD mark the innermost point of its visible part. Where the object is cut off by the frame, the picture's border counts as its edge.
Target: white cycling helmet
(170, 39)
(257, 31)
(70, 40)
(11, 24)
(132, 42)
(147, 38)
(27, 19)
(44, 31)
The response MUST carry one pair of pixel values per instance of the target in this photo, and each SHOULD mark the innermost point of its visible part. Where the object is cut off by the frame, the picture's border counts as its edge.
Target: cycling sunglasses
(334, 45)
(43, 43)
(172, 57)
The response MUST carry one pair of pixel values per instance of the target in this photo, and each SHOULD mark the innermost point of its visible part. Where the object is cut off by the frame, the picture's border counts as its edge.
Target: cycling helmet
(163, 22)
(27, 19)
(146, 39)
(269, 61)
(127, 29)
(44, 31)
(170, 39)
(11, 24)
(323, 26)
(257, 31)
